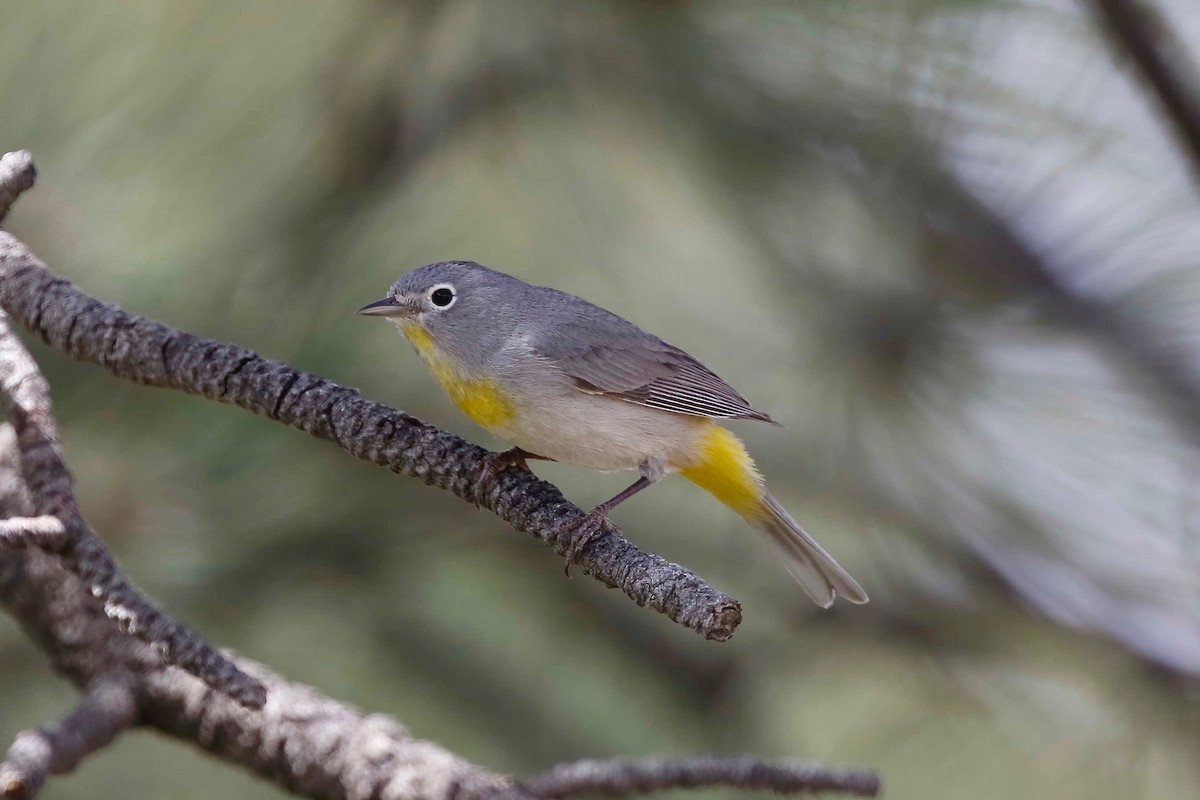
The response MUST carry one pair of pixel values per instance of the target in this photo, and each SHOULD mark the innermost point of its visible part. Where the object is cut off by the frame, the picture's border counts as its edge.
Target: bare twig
(151, 353)
(654, 775)
(1138, 31)
(106, 709)
(45, 532)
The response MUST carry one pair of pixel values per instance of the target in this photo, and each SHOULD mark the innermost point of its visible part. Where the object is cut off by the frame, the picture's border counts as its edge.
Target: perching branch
(59, 583)
(1138, 31)
(655, 775)
(151, 353)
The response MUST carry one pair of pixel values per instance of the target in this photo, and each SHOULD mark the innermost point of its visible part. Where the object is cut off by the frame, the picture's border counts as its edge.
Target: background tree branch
(656, 774)
(59, 582)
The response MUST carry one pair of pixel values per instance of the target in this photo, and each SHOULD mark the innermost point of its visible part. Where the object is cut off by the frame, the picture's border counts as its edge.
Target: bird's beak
(387, 307)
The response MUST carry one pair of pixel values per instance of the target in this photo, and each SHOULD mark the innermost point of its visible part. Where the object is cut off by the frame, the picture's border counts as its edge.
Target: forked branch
(107, 709)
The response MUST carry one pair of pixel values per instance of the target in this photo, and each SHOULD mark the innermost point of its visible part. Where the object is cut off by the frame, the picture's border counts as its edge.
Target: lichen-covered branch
(643, 776)
(314, 745)
(148, 352)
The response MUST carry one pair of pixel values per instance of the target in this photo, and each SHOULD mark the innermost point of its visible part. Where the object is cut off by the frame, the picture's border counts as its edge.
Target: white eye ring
(437, 296)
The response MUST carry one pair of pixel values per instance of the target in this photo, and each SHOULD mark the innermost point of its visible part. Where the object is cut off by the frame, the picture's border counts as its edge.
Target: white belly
(599, 432)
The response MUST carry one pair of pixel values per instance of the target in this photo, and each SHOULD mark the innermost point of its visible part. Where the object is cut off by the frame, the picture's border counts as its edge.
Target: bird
(564, 380)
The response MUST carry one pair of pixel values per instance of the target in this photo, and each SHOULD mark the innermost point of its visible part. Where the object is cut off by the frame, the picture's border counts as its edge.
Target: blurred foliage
(936, 239)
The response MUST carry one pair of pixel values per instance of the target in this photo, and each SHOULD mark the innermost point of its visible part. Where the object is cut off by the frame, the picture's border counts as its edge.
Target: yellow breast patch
(481, 399)
(722, 467)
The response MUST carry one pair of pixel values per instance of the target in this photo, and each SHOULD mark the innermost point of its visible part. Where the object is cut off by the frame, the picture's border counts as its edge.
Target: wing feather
(606, 354)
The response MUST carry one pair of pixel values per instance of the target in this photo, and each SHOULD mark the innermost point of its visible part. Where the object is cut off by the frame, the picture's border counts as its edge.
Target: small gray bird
(565, 380)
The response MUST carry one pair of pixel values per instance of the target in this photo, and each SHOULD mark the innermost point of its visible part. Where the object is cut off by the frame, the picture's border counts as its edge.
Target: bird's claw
(582, 533)
(493, 465)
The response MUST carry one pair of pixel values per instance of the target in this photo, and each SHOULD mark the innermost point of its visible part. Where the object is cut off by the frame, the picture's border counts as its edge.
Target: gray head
(434, 290)
(464, 306)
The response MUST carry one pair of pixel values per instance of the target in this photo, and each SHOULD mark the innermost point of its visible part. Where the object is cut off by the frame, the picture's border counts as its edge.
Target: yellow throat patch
(481, 399)
(725, 470)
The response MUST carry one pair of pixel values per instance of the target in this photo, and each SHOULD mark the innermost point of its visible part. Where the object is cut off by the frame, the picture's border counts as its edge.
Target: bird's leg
(495, 463)
(595, 519)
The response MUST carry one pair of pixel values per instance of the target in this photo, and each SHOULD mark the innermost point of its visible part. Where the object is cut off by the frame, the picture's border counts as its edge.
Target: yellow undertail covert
(725, 470)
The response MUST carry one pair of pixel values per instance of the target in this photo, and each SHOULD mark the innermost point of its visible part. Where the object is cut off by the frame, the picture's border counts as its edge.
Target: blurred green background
(988, 416)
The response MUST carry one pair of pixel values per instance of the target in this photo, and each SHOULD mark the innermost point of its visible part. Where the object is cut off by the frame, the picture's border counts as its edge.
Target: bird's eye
(442, 296)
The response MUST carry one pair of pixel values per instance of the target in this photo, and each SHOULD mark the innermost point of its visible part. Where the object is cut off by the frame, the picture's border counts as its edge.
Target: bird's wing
(608, 355)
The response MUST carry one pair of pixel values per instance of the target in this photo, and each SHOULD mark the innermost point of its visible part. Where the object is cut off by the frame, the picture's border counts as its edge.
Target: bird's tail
(725, 469)
(815, 570)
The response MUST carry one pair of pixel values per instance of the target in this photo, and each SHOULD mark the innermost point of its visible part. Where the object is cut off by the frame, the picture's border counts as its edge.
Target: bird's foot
(583, 532)
(493, 465)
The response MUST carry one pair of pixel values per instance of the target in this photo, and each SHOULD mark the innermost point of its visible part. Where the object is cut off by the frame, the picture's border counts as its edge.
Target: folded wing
(611, 356)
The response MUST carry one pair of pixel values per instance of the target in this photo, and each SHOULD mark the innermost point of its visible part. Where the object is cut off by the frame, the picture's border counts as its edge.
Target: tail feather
(722, 466)
(814, 569)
